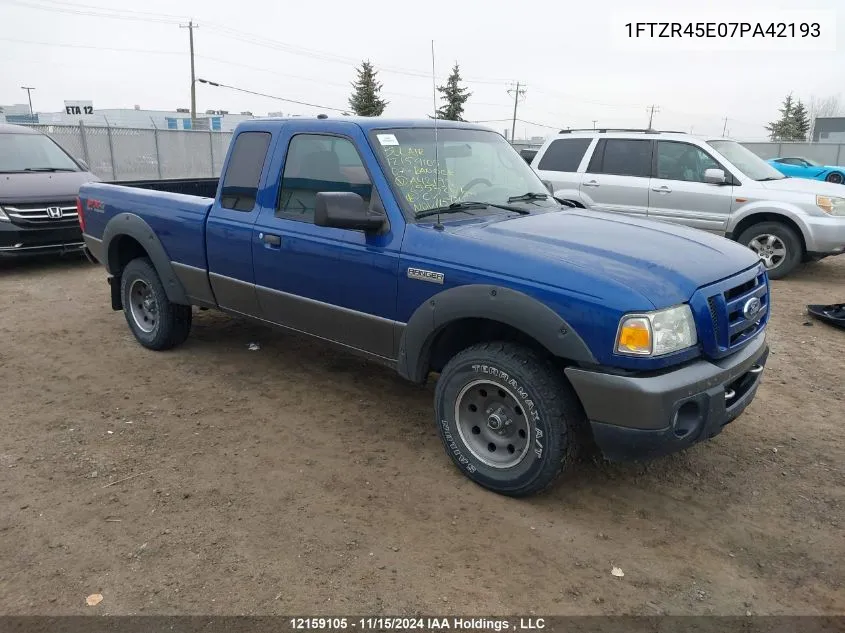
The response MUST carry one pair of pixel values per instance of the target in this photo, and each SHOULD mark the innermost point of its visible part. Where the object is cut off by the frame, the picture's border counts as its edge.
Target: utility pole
(517, 93)
(29, 90)
(651, 110)
(191, 26)
(725, 127)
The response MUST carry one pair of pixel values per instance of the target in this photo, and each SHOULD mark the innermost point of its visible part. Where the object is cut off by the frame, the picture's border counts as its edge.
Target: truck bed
(165, 206)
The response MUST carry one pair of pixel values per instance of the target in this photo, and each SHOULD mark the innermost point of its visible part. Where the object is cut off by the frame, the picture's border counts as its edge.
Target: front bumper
(641, 417)
(825, 235)
(16, 240)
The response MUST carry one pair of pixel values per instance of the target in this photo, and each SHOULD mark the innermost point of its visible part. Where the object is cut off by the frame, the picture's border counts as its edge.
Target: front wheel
(156, 323)
(777, 245)
(507, 418)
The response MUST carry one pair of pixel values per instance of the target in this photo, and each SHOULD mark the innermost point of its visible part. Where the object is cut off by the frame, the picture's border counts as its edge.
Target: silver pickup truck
(712, 184)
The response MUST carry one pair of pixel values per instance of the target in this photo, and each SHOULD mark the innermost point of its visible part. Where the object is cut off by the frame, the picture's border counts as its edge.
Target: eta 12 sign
(79, 107)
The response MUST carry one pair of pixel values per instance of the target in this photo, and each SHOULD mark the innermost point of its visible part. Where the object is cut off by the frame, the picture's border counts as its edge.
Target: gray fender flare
(136, 227)
(494, 303)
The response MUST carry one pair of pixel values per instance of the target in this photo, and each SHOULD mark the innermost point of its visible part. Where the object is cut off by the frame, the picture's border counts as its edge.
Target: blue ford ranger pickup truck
(438, 251)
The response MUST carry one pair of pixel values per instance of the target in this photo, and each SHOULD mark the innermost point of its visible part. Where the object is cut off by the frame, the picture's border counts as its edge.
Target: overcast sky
(571, 56)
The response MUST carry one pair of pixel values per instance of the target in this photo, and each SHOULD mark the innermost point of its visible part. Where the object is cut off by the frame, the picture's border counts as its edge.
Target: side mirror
(345, 210)
(715, 176)
(549, 186)
(83, 164)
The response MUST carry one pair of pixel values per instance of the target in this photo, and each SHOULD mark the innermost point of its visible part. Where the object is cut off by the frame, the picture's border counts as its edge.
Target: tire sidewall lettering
(532, 463)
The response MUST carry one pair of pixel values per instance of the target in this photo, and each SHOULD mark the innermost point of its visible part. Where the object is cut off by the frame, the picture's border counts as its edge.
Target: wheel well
(122, 250)
(458, 335)
(756, 218)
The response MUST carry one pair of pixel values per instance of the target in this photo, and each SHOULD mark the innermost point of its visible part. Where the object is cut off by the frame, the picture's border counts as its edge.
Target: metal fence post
(111, 152)
(158, 153)
(211, 151)
(83, 140)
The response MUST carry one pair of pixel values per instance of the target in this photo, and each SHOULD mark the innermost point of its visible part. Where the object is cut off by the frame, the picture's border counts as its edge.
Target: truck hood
(664, 263)
(59, 186)
(805, 185)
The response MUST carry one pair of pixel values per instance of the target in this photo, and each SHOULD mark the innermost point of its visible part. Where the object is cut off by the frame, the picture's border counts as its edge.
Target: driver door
(336, 284)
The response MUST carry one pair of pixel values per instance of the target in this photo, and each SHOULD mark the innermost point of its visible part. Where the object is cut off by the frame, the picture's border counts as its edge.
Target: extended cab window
(622, 157)
(316, 163)
(240, 184)
(682, 161)
(564, 154)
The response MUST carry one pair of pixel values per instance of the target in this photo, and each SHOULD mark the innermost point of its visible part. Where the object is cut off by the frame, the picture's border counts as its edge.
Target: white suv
(712, 184)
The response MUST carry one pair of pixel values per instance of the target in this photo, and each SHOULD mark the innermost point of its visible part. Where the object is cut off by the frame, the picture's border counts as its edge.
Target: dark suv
(39, 182)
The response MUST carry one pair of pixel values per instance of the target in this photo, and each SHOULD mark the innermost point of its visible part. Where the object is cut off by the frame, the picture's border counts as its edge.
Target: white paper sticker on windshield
(387, 139)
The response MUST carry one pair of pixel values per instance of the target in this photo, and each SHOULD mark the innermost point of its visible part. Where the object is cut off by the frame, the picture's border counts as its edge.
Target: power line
(77, 6)
(94, 48)
(225, 31)
(102, 13)
(261, 94)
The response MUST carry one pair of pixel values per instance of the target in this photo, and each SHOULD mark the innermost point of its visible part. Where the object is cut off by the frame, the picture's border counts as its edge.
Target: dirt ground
(292, 480)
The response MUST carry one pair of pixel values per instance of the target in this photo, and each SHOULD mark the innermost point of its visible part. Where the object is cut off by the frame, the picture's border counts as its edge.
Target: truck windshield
(32, 152)
(746, 161)
(463, 166)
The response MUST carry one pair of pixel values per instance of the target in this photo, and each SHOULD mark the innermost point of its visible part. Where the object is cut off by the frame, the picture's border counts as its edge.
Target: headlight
(656, 333)
(3, 216)
(832, 205)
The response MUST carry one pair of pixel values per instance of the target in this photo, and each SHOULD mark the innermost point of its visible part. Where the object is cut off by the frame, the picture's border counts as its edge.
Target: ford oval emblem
(751, 308)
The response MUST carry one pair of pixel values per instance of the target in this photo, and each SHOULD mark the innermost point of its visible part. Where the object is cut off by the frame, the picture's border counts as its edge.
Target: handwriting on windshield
(424, 181)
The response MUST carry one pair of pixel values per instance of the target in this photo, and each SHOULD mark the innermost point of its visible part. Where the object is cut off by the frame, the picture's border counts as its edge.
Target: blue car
(799, 167)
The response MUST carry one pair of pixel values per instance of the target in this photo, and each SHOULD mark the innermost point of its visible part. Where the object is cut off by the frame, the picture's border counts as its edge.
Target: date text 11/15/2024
(382, 623)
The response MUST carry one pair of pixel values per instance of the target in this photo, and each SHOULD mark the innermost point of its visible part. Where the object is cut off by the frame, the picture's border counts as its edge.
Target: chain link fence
(119, 153)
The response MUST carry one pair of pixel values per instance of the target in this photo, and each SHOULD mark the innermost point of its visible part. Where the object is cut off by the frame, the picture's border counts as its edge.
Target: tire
(774, 237)
(156, 323)
(512, 387)
(835, 177)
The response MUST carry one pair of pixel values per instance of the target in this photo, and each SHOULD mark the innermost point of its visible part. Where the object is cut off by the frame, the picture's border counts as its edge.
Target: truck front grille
(728, 307)
(43, 215)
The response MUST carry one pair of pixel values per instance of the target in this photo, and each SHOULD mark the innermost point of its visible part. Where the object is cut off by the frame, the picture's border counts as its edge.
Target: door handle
(591, 183)
(271, 240)
(662, 189)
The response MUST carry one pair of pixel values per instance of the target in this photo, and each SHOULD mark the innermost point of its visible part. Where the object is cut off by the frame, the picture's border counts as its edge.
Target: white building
(180, 119)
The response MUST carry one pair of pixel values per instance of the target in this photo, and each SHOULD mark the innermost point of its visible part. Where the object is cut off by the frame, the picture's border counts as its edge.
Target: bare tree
(824, 107)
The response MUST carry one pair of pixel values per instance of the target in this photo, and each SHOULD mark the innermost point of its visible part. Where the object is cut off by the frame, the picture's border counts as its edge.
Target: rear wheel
(156, 322)
(507, 418)
(835, 177)
(777, 245)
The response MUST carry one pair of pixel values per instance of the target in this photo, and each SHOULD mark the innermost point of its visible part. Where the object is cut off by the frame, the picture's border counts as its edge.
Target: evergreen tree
(365, 99)
(801, 122)
(782, 128)
(455, 97)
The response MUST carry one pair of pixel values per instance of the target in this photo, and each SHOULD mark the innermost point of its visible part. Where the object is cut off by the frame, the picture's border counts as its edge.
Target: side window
(243, 173)
(564, 154)
(316, 163)
(623, 157)
(682, 161)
